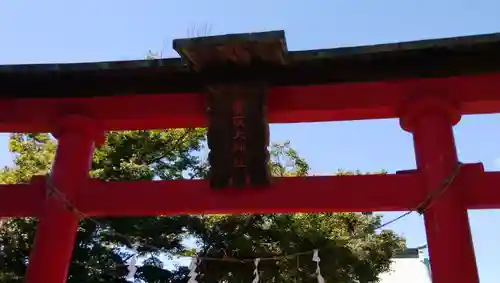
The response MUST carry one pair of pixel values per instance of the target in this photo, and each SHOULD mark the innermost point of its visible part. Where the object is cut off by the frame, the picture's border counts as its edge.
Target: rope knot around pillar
(416, 107)
(79, 123)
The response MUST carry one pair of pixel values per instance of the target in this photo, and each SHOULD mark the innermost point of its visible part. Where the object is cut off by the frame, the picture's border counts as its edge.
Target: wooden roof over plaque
(238, 130)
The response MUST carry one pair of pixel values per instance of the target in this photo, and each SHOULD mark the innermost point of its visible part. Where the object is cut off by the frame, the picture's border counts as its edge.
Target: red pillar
(446, 222)
(57, 227)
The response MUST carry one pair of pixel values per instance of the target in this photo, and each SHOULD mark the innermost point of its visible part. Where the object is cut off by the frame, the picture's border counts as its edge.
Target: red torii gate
(428, 85)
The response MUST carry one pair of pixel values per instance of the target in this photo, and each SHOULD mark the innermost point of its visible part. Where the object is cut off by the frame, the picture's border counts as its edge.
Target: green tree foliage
(350, 248)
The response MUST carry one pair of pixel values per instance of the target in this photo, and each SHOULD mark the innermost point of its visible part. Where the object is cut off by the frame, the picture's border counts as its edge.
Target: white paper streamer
(318, 270)
(256, 271)
(132, 268)
(192, 270)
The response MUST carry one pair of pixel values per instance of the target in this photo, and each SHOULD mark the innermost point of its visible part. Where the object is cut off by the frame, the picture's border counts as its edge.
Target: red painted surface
(311, 194)
(303, 194)
(323, 194)
(57, 227)
(22, 200)
(449, 238)
(447, 226)
(334, 102)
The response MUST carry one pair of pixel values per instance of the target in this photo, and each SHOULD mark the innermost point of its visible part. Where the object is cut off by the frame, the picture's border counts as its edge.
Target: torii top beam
(365, 82)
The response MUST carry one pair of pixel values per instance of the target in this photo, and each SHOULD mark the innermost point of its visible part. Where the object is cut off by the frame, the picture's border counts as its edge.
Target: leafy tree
(99, 255)
(350, 249)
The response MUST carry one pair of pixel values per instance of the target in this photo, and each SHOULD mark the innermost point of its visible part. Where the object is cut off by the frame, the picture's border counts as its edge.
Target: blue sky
(77, 31)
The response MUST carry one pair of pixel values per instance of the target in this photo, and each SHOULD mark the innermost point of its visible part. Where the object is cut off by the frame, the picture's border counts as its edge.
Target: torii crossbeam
(428, 85)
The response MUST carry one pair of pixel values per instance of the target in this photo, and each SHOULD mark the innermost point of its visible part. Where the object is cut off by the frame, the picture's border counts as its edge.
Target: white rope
(256, 271)
(318, 270)
(192, 270)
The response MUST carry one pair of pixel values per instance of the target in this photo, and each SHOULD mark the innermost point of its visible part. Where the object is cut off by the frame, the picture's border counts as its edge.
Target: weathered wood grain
(238, 130)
